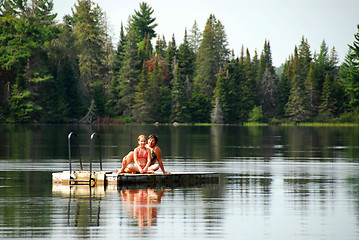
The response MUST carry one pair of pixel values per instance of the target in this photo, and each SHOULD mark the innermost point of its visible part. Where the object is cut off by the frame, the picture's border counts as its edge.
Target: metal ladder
(91, 180)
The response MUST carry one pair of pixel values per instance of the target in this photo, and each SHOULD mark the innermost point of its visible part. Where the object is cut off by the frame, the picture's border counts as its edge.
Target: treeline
(51, 72)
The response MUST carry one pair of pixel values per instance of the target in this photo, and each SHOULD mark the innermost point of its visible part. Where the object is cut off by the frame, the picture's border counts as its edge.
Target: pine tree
(90, 29)
(312, 91)
(144, 50)
(161, 47)
(212, 54)
(267, 93)
(186, 59)
(195, 37)
(161, 108)
(322, 65)
(171, 54)
(182, 81)
(143, 22)
(26, 32)
(129, 76)
(120, 52)
(199, 107)
(305, 59)
(217, 113)
(283, 91)
(142, 105)
(179, 109)
(295, 108)
(349, 72)
(327, 106)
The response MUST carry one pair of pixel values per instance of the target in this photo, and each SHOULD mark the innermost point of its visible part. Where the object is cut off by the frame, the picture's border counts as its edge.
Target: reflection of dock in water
(84, 203)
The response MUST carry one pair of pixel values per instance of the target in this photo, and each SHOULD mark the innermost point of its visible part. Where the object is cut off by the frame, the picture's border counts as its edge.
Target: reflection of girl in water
(140, 204)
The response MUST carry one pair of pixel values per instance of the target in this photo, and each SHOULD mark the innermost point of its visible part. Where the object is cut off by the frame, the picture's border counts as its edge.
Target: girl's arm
(148, 159)
(158, 153)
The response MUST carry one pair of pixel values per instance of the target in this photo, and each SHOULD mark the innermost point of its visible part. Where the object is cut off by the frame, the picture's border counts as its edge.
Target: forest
(71, 72)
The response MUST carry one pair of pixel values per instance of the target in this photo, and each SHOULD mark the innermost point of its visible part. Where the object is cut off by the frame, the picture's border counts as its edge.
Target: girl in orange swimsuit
(142, 155)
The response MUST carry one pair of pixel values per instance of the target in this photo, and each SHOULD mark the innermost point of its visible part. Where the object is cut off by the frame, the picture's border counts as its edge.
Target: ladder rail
(91, 178)
(77, 147)
(91, 150)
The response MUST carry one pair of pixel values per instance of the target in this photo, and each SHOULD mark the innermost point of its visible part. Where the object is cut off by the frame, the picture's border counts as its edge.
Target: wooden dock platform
(125, 179)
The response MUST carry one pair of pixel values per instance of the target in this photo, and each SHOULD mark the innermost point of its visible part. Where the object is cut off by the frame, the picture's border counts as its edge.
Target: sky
(247, 23)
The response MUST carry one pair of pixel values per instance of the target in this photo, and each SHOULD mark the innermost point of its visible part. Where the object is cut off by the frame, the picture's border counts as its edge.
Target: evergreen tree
(283, 91)
(267, 93)
(129, 76)
(118, 61)
(179, 108)
(186, 60)
(295, 108)
(217, 113)
(305, 59)
(145, 50)
(89, 27)
(161, 47)
(311, 91)
(322, 65)
(171, 54)
(160, 92)
(212, 54)
(120, 52)
(143, 23)
(265, 61)
(195, 37)
(327, 106)
(182, 81)
(142, 105)
(349, 72)
(199, 107)
(26, 32)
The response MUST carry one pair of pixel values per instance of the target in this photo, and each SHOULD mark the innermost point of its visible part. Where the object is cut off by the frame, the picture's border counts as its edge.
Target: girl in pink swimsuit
(142, 155)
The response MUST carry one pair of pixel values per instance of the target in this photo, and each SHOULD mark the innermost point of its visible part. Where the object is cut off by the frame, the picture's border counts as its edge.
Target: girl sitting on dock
(141, 157)
(155, 157)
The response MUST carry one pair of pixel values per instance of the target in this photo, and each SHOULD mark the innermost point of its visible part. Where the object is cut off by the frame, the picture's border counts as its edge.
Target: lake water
(275, 183)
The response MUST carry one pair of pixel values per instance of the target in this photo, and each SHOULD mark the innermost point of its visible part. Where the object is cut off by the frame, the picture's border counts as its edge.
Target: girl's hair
(154, 137)
(141, 136)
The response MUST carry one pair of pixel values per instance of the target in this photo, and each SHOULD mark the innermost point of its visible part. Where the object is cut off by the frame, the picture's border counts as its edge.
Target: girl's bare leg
(125, 162)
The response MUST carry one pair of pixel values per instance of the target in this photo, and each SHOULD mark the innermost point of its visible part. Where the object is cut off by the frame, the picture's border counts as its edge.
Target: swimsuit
(142, 156)
(153, 155)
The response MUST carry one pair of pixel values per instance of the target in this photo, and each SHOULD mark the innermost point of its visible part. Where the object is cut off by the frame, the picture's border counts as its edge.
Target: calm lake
(275, 183)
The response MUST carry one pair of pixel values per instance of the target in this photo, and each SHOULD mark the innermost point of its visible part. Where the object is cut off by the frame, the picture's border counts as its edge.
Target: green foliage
(143, 22)
(295, 108)
(142, 106)
(199, 107)
(256, 115)
(212, 54)
(89, 28)
(50, 72)
(349, 72)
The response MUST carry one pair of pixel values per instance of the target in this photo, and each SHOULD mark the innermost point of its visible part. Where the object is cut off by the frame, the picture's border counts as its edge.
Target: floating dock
(103, 178)
(124, 179)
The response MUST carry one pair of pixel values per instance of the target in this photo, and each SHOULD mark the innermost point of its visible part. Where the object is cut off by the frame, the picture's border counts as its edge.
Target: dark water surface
(276, 183)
